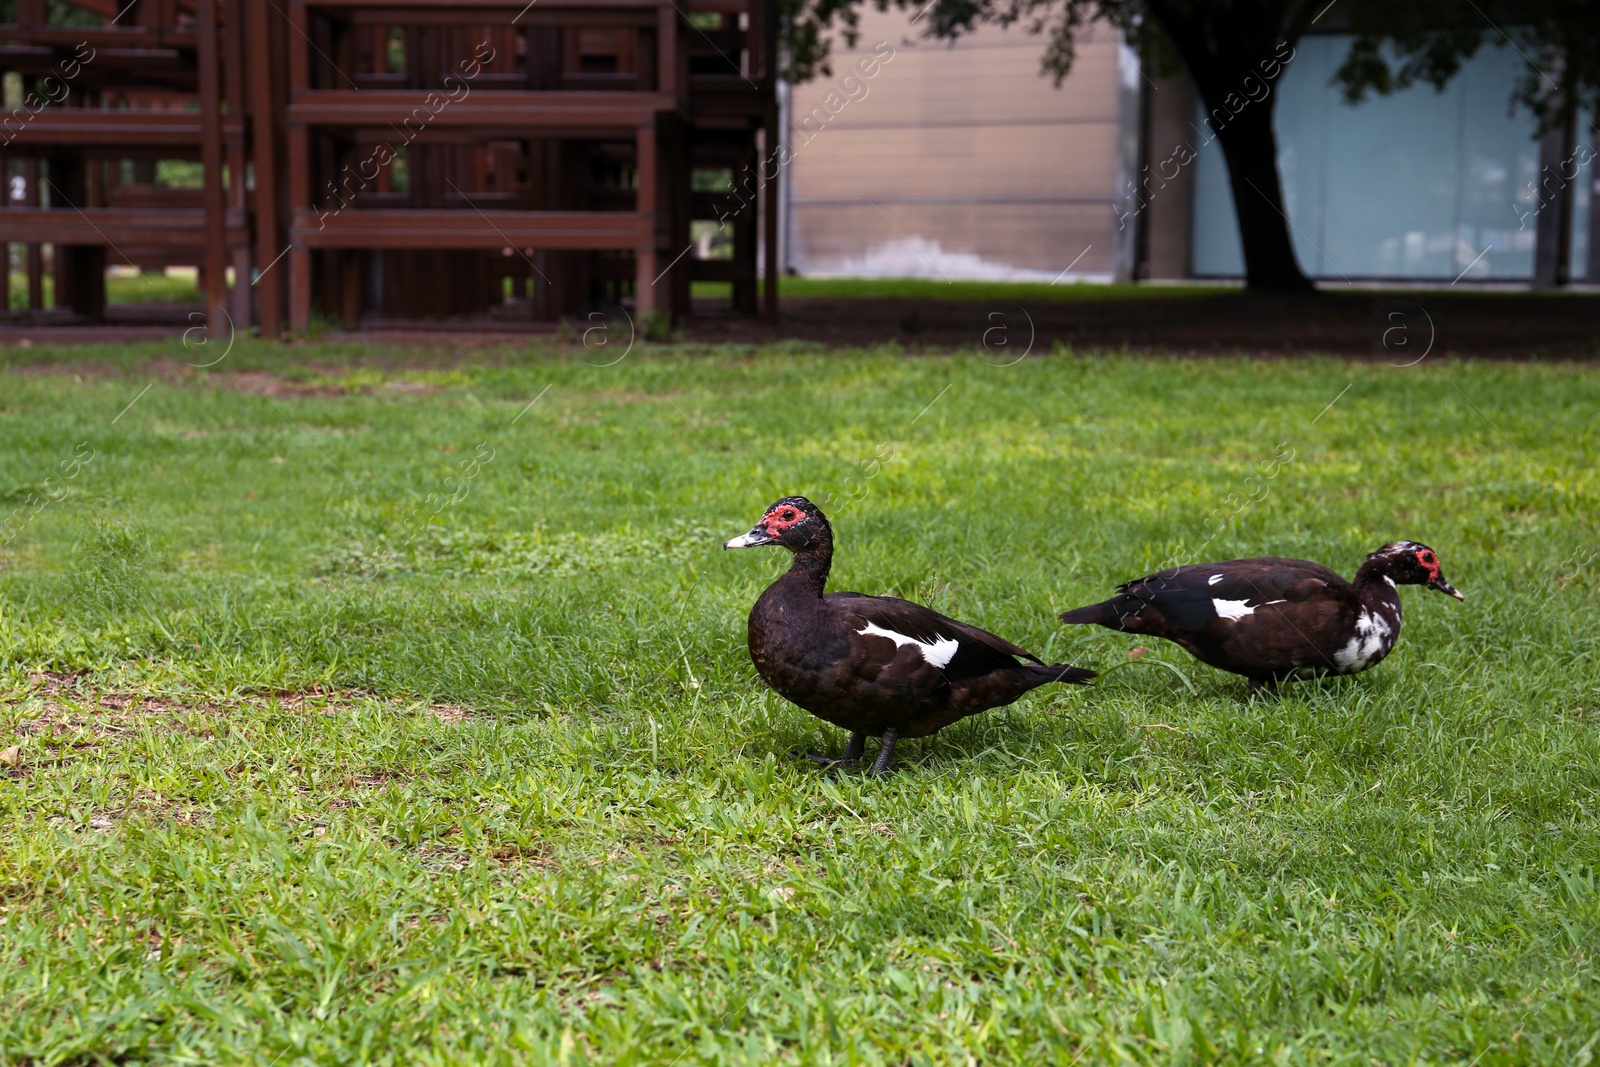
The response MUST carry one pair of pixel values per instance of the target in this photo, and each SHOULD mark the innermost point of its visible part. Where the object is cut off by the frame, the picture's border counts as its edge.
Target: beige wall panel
(981, 165)
(980, 161)
(929, 82)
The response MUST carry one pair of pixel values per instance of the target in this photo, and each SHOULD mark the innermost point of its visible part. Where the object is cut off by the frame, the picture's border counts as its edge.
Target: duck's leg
(1264, 686)
(880, 766)
(852, 753)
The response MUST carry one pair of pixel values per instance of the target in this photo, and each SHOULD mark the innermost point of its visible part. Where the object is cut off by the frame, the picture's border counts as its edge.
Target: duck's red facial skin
(1430, 563)
(781, 518)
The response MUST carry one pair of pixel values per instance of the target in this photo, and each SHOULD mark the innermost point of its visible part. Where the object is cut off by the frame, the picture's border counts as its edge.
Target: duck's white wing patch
(1232, 609)
(1238, 609)
(938, 652)
(1214, 579)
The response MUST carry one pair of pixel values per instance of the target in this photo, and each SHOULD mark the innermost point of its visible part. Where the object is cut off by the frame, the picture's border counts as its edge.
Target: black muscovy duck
(1270, 619)
(877, 666)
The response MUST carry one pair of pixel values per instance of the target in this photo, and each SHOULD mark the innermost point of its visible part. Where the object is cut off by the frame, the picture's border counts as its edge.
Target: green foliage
(142, 288)
(180, 173)
(657, 328)
(68, 15)
(803, 36)
(418, 724)
(1397, 46)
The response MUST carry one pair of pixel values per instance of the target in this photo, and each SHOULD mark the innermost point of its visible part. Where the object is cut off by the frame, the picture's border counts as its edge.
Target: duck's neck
(1376, 588)
(808, 574)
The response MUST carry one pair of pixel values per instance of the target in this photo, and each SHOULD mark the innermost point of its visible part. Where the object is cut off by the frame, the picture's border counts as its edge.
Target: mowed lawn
(364, 712)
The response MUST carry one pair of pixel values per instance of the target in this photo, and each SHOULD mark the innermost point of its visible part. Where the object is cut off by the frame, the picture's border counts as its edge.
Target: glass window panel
(1420, 184)
(1500, 164)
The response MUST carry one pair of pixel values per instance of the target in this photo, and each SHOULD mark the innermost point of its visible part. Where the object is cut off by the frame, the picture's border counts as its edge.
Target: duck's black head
(793, 522)
(1410, 563)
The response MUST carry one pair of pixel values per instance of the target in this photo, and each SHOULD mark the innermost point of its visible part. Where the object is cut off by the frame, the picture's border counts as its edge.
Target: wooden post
(238, 159)
(85, 269)
(31, 14)
(299, 154)
(774, 134)
(350, 281)
(216, 250)
(264, 118)
(646, 203)
(30, 175)
(679, 183)
(667, 50)
(768, 164)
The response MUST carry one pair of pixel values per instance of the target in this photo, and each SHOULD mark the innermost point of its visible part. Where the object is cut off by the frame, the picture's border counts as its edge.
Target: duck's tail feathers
(1064, 673)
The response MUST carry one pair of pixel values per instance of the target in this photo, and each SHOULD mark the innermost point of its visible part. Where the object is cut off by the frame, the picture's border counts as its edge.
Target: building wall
(954, 161)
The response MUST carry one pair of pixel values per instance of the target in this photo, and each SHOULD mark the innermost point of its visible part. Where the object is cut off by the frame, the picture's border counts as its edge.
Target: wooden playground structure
(389, 162)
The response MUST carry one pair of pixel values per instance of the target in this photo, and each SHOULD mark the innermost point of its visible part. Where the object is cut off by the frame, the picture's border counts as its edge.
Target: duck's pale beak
(1445, 587)
(758, 536)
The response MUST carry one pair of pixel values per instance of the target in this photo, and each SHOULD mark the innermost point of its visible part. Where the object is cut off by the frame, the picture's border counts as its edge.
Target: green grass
(144, 288)
(294, 851)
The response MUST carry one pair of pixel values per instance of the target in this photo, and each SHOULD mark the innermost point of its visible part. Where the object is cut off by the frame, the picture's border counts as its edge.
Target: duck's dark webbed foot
(880, 766)
(852, 753)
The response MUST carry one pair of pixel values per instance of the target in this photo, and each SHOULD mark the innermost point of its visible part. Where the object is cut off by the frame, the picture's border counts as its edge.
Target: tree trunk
(1251, 150)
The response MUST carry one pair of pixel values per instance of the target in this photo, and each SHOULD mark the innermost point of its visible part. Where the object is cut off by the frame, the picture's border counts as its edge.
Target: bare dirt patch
(311, 379)
(67, 370)
(72, 710)
(272, 385)
(144, 804)
(1353, 323)
(443, 855)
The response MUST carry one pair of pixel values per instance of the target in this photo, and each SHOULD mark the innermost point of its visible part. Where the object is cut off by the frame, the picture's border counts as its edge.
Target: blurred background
(364, 164)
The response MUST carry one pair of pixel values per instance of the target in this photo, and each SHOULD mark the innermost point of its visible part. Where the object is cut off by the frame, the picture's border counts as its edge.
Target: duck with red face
(1270, 619)
(877, 666)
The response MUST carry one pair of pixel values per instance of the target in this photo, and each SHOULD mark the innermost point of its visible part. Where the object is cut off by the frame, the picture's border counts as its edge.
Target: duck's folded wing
(956, 648)
(1192, 597)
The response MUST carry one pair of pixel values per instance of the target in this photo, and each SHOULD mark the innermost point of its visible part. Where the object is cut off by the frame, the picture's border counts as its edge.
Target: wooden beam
(158, 227)
(492, 10)
(132, 130)
(430, 228)
(129, 39)
(404, 112)
(445, 14)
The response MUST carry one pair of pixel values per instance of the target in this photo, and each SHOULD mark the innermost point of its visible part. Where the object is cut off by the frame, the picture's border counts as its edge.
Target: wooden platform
(542, 156)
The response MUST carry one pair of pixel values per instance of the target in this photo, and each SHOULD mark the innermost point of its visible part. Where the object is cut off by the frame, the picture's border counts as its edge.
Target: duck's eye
(788, 515)
(1426, 557)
